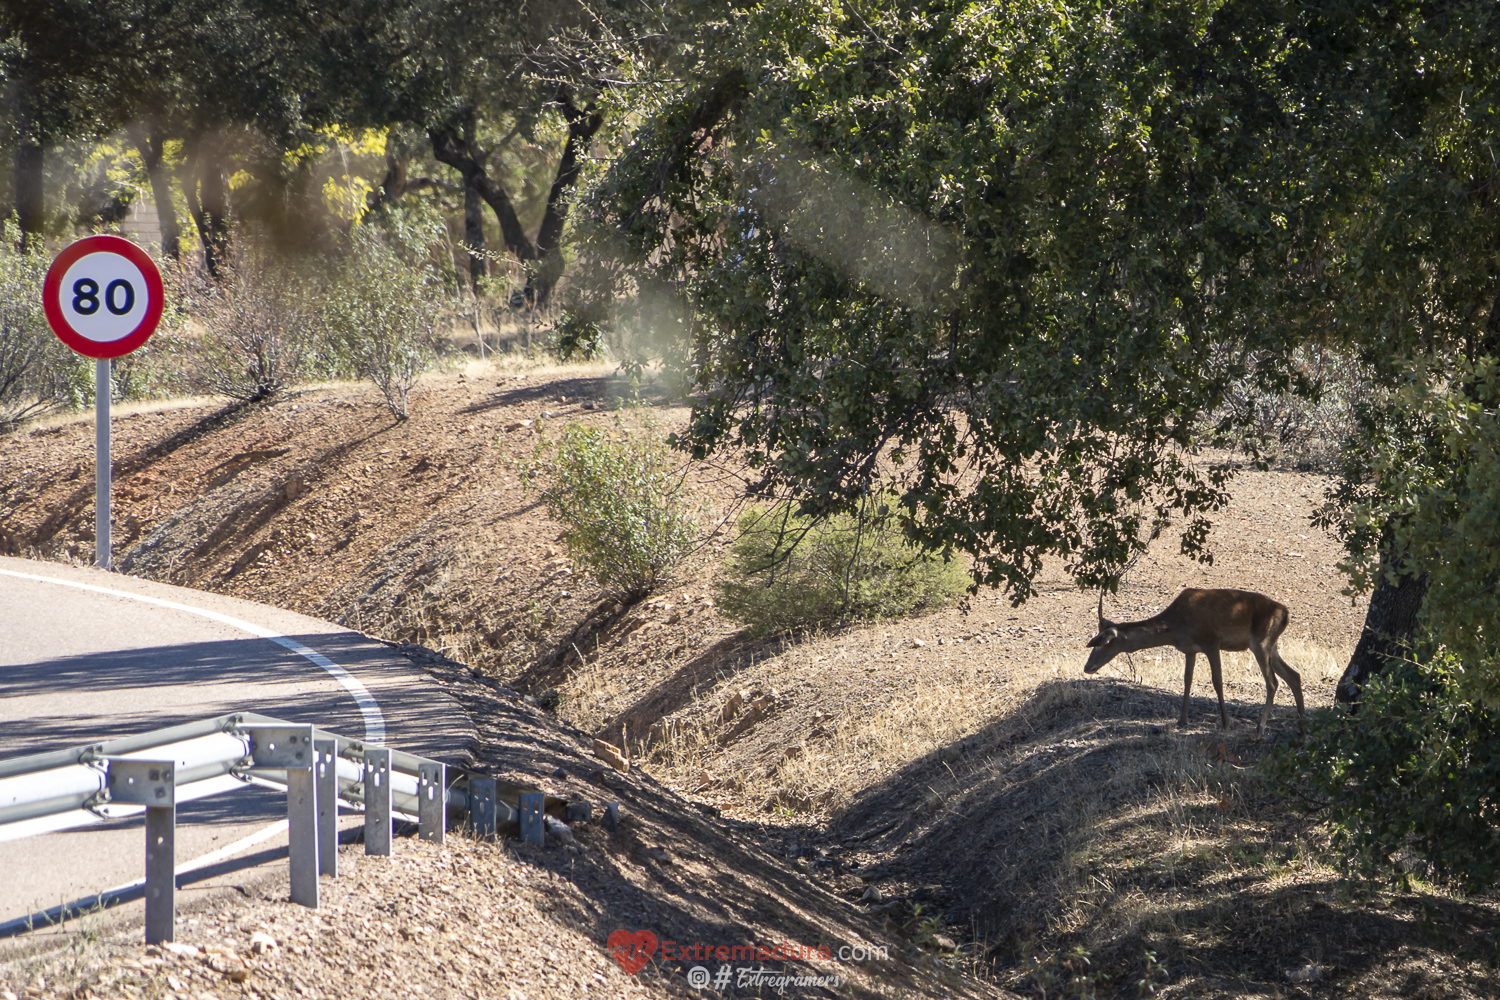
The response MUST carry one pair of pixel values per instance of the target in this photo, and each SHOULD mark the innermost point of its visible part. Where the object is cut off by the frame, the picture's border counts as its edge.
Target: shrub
(621, 497)
(37, 373)
(1412, 779)
(1304, 428)
(380, 315)
(259, 327)
(786, 571)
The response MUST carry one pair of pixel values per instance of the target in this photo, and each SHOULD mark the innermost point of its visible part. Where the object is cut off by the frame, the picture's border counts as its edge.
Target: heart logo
(632, 949)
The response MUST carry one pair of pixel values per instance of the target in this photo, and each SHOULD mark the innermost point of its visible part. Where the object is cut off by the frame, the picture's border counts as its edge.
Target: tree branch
(450, 149)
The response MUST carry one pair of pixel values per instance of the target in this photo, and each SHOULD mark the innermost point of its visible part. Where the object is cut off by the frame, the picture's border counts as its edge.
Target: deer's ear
(1096, 640)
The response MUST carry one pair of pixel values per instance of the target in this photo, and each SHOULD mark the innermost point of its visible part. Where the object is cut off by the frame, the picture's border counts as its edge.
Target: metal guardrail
(155, 772)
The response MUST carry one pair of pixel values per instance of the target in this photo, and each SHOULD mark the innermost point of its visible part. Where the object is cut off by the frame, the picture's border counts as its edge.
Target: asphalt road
(87, 654)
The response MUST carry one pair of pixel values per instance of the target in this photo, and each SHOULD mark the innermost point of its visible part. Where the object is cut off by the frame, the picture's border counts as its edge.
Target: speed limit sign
(103, 296)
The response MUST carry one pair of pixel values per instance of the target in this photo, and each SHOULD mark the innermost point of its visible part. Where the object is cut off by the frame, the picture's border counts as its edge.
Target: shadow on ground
(1085, 818)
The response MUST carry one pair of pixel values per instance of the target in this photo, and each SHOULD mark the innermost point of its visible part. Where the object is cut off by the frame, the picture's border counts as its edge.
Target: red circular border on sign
(52, 304)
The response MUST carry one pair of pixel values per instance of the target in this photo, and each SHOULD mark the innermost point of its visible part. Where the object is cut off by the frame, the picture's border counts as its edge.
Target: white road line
(368, 708)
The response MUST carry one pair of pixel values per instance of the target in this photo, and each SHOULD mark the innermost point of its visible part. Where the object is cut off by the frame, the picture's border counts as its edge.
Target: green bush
(1413, 776)
(379, 318)
(621, 497)
(789, 571)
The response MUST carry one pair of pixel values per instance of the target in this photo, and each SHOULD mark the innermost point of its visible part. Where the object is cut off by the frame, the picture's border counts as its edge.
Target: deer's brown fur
(1207, 621)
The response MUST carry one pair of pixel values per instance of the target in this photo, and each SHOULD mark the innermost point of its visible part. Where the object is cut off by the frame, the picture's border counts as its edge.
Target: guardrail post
(291, 748)
(532, 829)
(377, 800)
(151, 783)
(482, 792)
(432, 801)
(326, 780)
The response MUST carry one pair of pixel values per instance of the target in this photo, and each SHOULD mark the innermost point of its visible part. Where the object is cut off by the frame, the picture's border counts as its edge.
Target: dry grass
(1042, 812)
(589, 694)
(937, 708)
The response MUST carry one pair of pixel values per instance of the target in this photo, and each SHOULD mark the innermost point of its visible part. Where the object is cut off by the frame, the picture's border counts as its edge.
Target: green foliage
(379, 315)
(1421, 496)
(790, 571)
(1413, 777)
(1029, 252)
(621, 498)
(1016, 253)
(580, 338)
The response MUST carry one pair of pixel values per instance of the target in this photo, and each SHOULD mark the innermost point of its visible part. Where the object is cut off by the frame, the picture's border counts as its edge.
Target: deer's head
(1106, 645)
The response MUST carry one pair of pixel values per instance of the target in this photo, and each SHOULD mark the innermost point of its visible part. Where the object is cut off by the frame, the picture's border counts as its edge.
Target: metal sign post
(103, 297)
(103, 472)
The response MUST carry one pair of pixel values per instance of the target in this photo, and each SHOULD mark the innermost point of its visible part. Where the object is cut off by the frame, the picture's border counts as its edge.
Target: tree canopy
(231, 109)
(1011, 259)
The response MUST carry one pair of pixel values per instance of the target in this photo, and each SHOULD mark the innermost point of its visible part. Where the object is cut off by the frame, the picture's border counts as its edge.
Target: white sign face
(103, 296)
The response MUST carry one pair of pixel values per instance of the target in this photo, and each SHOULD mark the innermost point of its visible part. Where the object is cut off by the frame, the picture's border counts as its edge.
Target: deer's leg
(1293, 681)
(1268, 672)
(1187, 689)
(1217, 671)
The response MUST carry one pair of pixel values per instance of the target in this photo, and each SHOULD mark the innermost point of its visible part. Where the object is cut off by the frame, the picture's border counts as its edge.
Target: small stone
(917, 643)
(872, 895)
(943, 942)
(558, 829)
(560, 773)
(1305, 974)
(262, 943)
(182, 950)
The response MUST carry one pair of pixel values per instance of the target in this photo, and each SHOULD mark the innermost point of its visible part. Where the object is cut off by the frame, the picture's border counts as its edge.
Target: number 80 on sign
(103, 296)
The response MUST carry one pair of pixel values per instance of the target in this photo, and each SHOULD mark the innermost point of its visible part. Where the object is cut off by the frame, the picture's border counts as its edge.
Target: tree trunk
(30, 204)
(31, 208)
(479, 264)
(1390, 626)
(149, 145)
(581, 128)
(207, 196)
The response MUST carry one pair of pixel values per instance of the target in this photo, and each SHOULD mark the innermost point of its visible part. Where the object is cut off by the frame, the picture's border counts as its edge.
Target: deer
(1207, 621)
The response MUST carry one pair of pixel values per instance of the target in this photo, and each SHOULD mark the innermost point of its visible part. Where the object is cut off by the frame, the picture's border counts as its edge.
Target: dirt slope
(950, 776)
